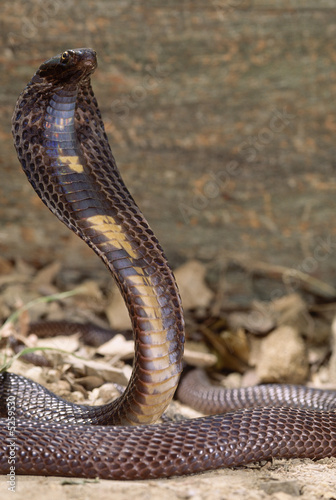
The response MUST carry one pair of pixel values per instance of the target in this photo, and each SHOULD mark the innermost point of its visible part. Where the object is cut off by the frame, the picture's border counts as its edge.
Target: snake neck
(63, 148)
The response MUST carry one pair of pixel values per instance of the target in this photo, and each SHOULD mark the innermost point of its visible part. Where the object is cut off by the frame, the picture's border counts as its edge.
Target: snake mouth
(87, 57)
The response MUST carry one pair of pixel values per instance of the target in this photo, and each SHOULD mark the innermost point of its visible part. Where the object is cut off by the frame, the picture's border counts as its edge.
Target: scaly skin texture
(63, 148)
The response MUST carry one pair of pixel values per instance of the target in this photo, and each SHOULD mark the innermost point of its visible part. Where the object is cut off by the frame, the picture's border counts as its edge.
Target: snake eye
(65, 57)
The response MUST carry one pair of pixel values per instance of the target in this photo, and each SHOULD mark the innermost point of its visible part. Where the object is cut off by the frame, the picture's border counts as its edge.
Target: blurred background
(222, 117)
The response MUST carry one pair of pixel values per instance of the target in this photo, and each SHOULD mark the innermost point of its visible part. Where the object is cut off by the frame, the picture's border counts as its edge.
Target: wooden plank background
(221, 115)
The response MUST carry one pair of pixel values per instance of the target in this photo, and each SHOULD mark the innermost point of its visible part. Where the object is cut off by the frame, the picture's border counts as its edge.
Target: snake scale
(63, 149)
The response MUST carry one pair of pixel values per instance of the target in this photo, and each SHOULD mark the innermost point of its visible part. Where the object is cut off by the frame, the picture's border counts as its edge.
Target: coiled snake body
(63, 149)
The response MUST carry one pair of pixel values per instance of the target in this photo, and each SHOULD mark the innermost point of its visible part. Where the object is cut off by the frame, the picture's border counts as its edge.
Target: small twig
(287, 274)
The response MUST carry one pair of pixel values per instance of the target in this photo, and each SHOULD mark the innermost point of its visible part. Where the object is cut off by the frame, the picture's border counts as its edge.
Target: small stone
(107, 392)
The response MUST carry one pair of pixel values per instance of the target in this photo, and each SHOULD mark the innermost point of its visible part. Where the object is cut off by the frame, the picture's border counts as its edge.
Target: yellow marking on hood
(72, 162)
(115, 235)
(106, 225)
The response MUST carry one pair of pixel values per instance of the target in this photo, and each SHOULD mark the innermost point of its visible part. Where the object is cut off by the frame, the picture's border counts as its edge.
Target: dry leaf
(47, 275)
(118, 347)
(193, 289)
(283, 357)
(100, 368)
(64, 342)
(117, 312)
(197, 357)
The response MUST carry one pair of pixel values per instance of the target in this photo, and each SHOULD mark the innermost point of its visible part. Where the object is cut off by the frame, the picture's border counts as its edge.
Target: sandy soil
(281, 480)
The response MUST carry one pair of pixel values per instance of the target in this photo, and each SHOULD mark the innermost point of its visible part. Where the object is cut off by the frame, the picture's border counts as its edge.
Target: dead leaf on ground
(191, 282)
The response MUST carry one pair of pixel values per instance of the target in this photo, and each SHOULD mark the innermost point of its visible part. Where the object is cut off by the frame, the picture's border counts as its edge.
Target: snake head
(72, 66)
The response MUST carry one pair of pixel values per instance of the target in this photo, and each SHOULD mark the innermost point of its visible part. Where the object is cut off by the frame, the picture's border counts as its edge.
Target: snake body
(62, 146)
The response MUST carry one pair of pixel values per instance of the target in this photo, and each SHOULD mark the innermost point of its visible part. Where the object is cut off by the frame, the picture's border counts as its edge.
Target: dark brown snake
(62, 146)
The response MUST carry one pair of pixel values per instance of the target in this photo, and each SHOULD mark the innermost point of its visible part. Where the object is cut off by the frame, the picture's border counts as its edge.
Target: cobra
(63, 149)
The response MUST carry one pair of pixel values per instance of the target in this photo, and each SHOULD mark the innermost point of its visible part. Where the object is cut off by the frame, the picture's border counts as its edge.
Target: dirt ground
(282, 480)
